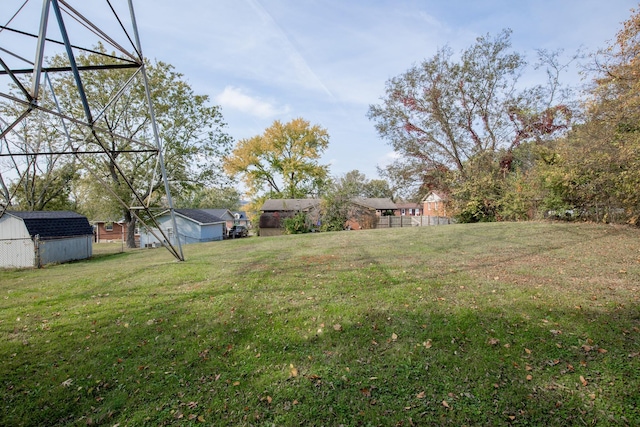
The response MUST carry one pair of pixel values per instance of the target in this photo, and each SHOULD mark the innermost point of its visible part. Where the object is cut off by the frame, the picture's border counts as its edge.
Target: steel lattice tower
(33, 31)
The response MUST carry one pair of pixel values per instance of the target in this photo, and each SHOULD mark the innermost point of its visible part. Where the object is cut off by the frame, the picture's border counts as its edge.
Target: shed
(194, 226)
(275, 210)
(33, 239)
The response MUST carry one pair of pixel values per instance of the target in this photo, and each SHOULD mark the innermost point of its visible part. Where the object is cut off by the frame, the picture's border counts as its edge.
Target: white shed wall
(13, 228)
(17, 253)
(16, 246)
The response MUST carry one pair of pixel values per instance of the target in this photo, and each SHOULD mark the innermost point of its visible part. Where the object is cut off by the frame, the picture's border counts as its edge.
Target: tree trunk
(131, 229)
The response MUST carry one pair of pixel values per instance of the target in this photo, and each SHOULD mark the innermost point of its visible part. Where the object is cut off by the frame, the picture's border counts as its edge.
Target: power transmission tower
(39, 30)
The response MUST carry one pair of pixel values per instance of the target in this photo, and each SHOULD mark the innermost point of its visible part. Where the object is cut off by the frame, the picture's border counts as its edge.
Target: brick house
(112, 231)
(435, 204)
(409, 209)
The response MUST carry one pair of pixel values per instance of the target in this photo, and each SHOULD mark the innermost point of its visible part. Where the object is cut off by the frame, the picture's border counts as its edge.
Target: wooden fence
(411, 221)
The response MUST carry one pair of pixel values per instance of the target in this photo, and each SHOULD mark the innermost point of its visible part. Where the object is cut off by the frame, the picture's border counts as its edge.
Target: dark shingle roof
(290, 204)
(53, 224)
(217, 212)
(376, 203)
(199, 216)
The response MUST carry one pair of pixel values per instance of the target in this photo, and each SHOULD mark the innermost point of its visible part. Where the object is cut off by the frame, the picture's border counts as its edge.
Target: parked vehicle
(238, 231)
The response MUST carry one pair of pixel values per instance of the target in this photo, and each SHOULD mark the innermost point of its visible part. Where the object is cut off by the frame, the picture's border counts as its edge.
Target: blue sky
(328, 60)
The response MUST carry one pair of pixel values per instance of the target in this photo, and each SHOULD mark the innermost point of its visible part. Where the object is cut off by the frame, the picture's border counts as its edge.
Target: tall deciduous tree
(441, 113)
(190, 130)
(283, 162)
(596, 170)
(35, 177)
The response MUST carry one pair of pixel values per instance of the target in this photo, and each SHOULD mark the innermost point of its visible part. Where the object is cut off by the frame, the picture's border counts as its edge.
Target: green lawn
(488, 324)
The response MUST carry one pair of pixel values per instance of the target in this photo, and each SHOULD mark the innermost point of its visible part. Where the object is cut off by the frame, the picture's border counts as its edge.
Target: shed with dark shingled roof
(54, 224)
(33, 239)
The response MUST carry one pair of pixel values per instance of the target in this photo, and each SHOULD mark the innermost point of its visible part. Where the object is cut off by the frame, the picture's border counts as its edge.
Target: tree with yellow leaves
(282, 162)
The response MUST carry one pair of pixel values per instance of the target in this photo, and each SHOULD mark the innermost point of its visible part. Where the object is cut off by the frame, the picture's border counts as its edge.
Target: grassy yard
(488, 324)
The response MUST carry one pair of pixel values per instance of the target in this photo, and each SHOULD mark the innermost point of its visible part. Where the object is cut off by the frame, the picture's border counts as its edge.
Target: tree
(337, 203)
(596, 170)
(191, 132)
(201, 197)
(41, 178)
(283, 161)
(441, 114)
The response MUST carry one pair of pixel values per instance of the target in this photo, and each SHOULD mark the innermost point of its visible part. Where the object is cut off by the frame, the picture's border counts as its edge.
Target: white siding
(16, 246)
(12, 228)
(17, 253)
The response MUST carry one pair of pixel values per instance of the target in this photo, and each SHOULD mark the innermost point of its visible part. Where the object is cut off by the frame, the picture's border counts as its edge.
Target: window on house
(402, 212)
(108, 226)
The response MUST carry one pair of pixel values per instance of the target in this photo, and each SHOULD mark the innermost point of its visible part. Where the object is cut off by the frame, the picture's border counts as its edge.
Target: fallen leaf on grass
(293, 371)
(427, 344)
(67, 383)
(365, 392)
(420, 395)
(583, 381)
(445, 404)
(394, 337)
(526, 350)
(529, 377)
(337, 327)
(494, 341)
(602, 350)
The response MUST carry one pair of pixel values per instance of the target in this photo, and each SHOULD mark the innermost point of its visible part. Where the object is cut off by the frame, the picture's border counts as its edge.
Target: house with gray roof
(34, 239)
(192, 226)
(231, 218)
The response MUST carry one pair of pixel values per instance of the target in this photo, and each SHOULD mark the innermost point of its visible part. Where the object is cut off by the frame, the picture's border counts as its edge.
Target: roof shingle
(54, 224)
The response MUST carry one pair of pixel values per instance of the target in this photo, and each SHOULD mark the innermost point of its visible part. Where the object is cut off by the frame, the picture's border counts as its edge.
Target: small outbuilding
(34, 239)
(275, 210)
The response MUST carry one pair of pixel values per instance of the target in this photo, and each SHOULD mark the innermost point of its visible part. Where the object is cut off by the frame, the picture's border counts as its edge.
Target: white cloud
(237, 99)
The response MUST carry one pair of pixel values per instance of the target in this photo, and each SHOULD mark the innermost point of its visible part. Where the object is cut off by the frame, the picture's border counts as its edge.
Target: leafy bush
(296, 224)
